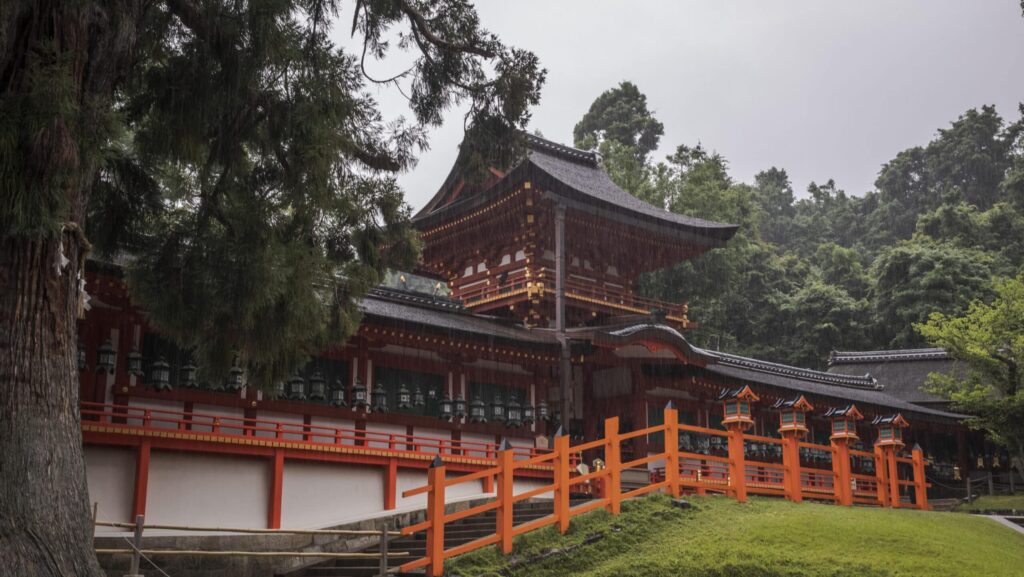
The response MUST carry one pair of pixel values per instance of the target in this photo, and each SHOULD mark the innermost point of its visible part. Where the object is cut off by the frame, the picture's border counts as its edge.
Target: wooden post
(881, 477)
(613, 464)
(141, 477)
(562, 489)
(920, 483)
(791, 468)
(435, 515)
(991, 487)
(505, 513)
(672, 450)
(276, 490)
(384, 550)
(841, 472)
(390, 484)
(894, 477)
(737, 465)
(136, 547)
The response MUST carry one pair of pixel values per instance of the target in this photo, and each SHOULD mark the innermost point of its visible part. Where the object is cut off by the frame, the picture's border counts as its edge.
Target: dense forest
(807, 274)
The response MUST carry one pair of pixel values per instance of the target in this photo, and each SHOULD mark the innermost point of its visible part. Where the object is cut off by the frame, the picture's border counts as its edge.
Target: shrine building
(522, 317)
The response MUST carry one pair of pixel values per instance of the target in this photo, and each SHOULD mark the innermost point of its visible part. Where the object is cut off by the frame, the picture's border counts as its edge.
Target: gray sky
(822, 89)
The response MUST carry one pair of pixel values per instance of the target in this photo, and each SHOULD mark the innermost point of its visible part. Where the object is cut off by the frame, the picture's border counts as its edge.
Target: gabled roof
(849, 411)
(576, 177)
(904, 372)
(798, 402)
(895, 420)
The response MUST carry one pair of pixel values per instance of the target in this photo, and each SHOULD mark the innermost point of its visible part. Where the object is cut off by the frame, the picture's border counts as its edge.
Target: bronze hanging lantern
(297, 388)
(359, 395)
(161, 375)
(135, 363)
(235, 378)
(380, 398)
(106, 358)
(188, 376)
(338, 394)
(444, 408)
(459, 407)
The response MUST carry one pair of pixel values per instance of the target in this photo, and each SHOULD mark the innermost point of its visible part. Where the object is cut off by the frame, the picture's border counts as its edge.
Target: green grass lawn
(995, 503)
(763, 538)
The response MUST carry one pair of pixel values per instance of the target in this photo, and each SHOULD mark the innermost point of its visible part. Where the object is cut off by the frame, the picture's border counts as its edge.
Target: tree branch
(420, 23)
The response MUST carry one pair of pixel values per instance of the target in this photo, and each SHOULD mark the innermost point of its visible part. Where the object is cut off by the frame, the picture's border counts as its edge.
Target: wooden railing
(679, 471)
(227, 426)
(486, 289)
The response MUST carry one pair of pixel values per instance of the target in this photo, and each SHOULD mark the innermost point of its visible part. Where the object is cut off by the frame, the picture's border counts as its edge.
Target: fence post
(613, 463)
(504, 498)
(881, 477)
(737, 465)
(562, 487)
(136, 547)
(991, 485)
(672, 449)
(920, 487)
(791, 468)
(435, 515)
(894, 477)
(841, 470)
(384, 550)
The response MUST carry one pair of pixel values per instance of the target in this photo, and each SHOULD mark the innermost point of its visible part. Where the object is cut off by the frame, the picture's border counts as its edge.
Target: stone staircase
(457, 533)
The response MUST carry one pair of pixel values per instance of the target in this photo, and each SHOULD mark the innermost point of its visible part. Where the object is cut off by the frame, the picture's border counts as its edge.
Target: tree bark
(45, 521)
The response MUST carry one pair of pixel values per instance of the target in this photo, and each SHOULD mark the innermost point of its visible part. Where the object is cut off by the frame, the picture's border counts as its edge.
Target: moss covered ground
(763, 538)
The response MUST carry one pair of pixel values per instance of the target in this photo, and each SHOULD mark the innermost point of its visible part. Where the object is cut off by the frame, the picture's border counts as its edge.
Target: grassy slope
(995, 503)
(765, 538)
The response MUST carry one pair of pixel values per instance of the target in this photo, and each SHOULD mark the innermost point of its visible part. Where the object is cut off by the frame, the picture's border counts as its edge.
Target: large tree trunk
(85, 46)
(45, 521)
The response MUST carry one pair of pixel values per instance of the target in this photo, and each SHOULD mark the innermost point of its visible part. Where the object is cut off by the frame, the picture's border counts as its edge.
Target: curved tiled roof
(392, 306)
(862, 390)
(577, 176)
(850, 357)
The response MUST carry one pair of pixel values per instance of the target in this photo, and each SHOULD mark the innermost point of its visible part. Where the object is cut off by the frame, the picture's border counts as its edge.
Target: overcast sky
(822, 89)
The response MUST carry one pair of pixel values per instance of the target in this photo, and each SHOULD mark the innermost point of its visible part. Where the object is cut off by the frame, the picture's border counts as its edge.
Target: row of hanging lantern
(513, 414)
(159, 371)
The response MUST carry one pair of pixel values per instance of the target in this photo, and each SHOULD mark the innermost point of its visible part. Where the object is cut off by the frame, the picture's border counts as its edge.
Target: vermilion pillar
(276, 486)
(390, 484)
(141, 478)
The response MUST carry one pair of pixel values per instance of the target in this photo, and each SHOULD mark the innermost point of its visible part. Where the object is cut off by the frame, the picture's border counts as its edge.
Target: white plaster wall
(283, 418)
(520, 486)
(110, 475)
(412, 479)
(380, 441)
(208, 490)
(231, 418)
(323, 494)
(433, 434)
(477, 438)
(333, 423)
(159, 420)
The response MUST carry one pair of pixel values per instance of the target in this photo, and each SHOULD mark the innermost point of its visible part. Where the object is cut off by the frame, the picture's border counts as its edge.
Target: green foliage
(242, 163)
(763, 538)
(917, 277)
(829, 270)
(620, 114)
(989, 339)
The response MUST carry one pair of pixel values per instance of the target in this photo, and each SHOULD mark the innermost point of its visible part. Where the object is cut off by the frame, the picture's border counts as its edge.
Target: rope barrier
(204, 553)
(345, 532)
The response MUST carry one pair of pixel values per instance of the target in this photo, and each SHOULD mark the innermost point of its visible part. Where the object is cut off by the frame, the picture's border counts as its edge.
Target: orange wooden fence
(734, 475)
